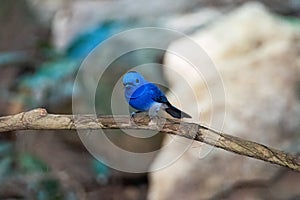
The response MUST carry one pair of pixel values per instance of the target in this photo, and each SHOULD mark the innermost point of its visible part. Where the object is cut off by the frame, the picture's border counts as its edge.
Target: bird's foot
(133, 114)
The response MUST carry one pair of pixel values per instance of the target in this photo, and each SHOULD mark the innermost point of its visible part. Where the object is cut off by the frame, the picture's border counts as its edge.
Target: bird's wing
(156, 94)
(161, 99)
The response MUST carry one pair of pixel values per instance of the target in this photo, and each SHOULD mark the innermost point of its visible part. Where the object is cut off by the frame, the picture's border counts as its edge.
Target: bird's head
(133, 79)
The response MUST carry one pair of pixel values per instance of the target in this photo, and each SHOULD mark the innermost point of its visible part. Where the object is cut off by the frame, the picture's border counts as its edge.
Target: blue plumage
(145, 96)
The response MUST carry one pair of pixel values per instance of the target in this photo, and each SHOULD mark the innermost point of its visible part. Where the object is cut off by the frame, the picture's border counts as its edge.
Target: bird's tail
(175, 112)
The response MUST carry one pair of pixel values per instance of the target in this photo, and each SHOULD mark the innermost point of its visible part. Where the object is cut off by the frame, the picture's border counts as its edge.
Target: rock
(257, 56)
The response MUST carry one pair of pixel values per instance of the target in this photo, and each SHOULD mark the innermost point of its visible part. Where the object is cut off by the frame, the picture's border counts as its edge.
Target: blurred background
(254, 45)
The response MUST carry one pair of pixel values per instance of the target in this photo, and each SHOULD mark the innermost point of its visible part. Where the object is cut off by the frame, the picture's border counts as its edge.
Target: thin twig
(39, 119)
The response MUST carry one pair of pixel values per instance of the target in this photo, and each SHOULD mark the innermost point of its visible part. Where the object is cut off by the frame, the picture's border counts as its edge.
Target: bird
(145, 96)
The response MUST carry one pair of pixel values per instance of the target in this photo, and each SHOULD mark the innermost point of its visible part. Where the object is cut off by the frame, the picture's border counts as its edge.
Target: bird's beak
(126, 85)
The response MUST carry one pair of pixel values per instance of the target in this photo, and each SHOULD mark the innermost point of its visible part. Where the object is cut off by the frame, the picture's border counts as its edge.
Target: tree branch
(39, 119)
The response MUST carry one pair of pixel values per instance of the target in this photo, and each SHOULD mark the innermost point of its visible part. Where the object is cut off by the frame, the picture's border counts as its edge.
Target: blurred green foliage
(6, 159)
(48, 189)
(293, 20)
(29, 164)
(16, 166)
(52, 82)
(12, 58)
(89, 40)
(102, 172)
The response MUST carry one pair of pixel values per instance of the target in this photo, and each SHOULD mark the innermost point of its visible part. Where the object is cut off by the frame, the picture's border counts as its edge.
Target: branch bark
(39, 119)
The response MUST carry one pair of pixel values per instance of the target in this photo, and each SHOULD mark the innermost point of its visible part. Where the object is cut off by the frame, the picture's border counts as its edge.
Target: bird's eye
(137, 80)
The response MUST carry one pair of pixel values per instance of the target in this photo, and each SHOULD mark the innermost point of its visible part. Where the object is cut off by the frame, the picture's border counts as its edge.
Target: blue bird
(145, 96)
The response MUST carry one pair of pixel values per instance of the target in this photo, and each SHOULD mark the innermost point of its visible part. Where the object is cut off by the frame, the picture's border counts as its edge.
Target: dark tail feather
(175, 112)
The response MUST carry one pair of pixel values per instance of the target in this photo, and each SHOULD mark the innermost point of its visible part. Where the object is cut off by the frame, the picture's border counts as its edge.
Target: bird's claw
(133, 114)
